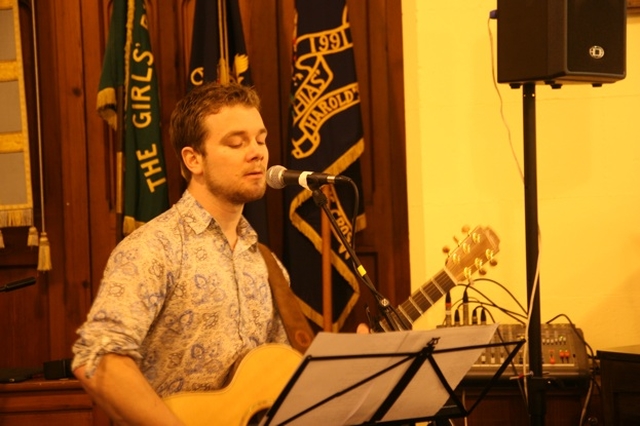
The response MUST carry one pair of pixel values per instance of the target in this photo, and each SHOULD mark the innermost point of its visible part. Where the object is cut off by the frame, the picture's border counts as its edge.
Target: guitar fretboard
(429, 293)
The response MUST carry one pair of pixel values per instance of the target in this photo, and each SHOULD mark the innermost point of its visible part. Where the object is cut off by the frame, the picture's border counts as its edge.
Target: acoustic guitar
(258, 381)
(265, 371)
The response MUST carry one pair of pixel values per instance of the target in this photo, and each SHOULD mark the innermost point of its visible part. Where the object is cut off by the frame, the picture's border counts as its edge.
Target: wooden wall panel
(69, 292)
(41, 320)
(24, 312)
(99, 142)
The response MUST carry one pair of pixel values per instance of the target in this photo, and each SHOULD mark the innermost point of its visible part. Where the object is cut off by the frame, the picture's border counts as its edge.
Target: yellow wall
(462, 171)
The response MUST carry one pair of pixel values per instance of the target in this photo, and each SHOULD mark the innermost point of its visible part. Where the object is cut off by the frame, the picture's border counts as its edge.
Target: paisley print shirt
(177, 299)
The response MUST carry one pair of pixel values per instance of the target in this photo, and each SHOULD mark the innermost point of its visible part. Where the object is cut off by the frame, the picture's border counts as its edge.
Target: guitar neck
(472, 253)
(426, 296)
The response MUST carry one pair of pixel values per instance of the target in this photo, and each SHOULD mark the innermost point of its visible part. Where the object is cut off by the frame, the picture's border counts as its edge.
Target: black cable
(505, 289)
(509, 313)
(595, 364)
(356, 209)
(514, 315)
(575, 330)
(492, 303)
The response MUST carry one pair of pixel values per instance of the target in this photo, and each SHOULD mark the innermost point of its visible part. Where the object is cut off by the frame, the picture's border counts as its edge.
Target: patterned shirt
(177, 299)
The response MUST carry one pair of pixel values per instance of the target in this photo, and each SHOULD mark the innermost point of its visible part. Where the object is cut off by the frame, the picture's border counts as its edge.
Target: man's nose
(257, 150)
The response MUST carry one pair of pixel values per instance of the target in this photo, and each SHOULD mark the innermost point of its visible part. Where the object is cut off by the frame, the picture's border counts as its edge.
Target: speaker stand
(536, 385)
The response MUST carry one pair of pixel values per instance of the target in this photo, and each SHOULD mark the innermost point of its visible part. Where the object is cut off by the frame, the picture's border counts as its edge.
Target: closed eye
(235, 141)
(239, 139)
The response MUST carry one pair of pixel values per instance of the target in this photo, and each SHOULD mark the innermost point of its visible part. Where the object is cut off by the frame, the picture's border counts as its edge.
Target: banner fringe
(106, 106)
(16, 217)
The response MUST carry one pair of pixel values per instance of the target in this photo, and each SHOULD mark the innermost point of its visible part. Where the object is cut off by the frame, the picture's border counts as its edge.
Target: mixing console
(564, 354)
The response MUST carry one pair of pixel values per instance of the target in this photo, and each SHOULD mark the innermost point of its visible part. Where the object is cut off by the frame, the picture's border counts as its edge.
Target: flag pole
(327, 285)
(119, 148)
(44, 249)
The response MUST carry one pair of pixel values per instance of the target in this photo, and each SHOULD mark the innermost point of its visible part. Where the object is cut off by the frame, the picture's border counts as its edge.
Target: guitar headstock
(478, 248)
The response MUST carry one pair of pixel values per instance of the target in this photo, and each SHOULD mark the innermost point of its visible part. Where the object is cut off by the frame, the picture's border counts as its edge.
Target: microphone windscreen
(274, 177)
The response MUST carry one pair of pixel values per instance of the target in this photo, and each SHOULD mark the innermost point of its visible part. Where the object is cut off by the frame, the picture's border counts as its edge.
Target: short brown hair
(187, 120)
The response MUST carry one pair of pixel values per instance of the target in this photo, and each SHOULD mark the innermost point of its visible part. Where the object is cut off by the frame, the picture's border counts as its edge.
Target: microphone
(278, 177)
(18, 284)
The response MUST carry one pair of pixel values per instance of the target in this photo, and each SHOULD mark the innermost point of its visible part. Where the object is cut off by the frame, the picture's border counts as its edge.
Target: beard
(237, 194)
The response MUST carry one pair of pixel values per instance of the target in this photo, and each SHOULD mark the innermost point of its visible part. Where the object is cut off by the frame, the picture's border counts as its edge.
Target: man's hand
(363, 329)
(121, 390)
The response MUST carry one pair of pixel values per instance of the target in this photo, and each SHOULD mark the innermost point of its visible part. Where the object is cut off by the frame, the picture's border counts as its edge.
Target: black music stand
(395, 378)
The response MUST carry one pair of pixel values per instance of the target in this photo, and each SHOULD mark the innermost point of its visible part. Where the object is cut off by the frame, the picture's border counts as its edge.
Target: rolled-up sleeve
(131, 295)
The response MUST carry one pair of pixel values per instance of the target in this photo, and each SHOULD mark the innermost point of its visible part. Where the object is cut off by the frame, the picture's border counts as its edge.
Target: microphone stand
(537, 383)
(392, 318)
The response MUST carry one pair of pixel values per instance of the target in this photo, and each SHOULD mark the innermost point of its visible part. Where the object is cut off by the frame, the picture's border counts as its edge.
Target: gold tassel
(1, 240)
(44, 254)
(32, 239)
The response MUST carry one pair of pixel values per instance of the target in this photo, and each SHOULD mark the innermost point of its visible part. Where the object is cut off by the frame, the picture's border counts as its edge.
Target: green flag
(129, 63)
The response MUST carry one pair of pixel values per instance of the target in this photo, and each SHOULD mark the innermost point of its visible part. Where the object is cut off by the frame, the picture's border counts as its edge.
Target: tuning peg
(468, 272)
(493, 262)
(446, 250)
(465, 230)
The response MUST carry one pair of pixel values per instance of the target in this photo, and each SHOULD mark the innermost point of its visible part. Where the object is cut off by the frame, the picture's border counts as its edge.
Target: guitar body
(260, 378)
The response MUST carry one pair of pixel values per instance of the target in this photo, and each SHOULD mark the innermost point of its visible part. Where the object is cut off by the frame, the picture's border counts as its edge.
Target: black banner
(218, 53)
(326, 136)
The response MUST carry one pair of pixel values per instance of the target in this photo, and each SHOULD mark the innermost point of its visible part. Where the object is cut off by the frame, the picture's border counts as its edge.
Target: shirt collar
(196, 217)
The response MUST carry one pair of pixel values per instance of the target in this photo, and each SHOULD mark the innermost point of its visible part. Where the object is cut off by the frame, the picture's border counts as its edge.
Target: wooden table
(48, 402)
(620, 372)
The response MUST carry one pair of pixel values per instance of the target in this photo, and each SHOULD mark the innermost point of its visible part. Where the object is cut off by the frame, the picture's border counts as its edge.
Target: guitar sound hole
(257, 417)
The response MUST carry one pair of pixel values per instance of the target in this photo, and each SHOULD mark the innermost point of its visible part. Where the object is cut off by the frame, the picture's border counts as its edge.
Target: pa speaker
(561, 41)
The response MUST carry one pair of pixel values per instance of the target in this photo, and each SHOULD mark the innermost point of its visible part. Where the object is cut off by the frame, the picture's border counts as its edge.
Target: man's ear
(192, 160)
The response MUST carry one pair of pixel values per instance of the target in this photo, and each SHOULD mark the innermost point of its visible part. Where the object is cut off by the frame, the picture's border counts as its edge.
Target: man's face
(236, 158)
